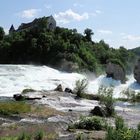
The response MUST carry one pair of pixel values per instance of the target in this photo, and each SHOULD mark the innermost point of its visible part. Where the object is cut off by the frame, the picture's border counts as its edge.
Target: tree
(2, 33)
(88, 32)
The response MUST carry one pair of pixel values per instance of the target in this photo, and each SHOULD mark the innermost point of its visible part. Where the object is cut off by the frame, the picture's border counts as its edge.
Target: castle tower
(12, 29)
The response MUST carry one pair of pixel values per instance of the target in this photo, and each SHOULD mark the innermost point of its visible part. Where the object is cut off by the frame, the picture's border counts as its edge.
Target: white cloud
(131, 38)
(69, 15)
(29, 13)
(107, 32)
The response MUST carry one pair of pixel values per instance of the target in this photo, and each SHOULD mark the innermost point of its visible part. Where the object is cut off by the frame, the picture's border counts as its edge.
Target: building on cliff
(47, 22)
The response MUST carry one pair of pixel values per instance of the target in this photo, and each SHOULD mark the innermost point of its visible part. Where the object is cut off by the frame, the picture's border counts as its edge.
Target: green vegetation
(80, 87)
(89, 123)
(39, 45)
(107, 100)
(39, 135)
(9, 108)
(131, 95)
(121, 131)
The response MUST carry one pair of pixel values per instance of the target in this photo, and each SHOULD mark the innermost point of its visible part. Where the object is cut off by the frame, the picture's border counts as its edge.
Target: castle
(48, 22)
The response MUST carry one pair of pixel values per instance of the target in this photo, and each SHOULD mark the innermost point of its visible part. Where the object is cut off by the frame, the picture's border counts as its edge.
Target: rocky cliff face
(115, 71)
(137, 72)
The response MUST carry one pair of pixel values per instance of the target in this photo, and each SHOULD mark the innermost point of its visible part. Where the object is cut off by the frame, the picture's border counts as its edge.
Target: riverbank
(54, 112)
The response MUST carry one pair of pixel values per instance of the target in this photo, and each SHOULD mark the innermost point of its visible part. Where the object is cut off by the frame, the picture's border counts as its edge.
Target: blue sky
(115, 21)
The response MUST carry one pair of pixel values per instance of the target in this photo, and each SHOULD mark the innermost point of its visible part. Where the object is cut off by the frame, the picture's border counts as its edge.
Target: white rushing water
(15, 78)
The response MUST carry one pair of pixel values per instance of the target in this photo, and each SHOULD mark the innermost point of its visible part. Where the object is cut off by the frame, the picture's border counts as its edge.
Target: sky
(117, 22)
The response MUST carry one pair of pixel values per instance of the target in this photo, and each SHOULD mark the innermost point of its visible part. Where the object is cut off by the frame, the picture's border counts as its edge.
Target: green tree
(2, 33)
(88, 32)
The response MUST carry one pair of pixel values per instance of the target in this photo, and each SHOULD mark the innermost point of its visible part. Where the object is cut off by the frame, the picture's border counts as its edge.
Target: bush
(89, 123)
(80, 87)
(119, 123)
(106, 99)
(121, 132)
(138, 127)
(131, 95)
(39, 135)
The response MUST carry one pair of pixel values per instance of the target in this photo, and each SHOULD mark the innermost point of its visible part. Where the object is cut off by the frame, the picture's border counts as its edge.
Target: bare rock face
(115, 71)
(137, 72)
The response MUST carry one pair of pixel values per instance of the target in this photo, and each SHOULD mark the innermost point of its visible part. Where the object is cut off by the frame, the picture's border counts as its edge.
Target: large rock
(137, 71)
(115, 71)
(59, 88)
(98, 111)
(68, 90)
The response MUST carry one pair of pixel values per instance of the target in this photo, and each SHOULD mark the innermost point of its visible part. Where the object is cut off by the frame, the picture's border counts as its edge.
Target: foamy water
(15, 78)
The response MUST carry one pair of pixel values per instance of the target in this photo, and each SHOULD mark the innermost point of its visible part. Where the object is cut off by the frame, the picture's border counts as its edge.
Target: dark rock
(43, 96)
(70, 110)
(68, 90)
(33, 98)
(115, 71)
(18, 97)
(59, 88)
(98, 111)
(137, 72)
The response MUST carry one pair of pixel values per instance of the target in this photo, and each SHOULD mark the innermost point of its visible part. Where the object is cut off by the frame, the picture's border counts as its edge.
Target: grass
(9, 108)
(39, 135)
(121, 131)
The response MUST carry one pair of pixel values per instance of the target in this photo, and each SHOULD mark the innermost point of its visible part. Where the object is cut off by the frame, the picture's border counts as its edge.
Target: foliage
(80, 87)
(9, 108)
(121, 132)
(89, 123)
(131, 95)
(119, 123)
(24, 136)
(39, 135)
(88, 32)
(41, 46)
(107, 100)
(80, 136)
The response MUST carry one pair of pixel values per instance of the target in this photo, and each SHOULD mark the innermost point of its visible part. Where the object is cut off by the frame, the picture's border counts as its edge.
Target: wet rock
(20, 97)
(59, 88)
(98, 111)
(115, 71)
(137, 71)
(68, 90)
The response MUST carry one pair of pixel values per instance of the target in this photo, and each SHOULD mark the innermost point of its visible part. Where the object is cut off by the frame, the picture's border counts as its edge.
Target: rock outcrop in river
(137, 71)
(115, 71)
